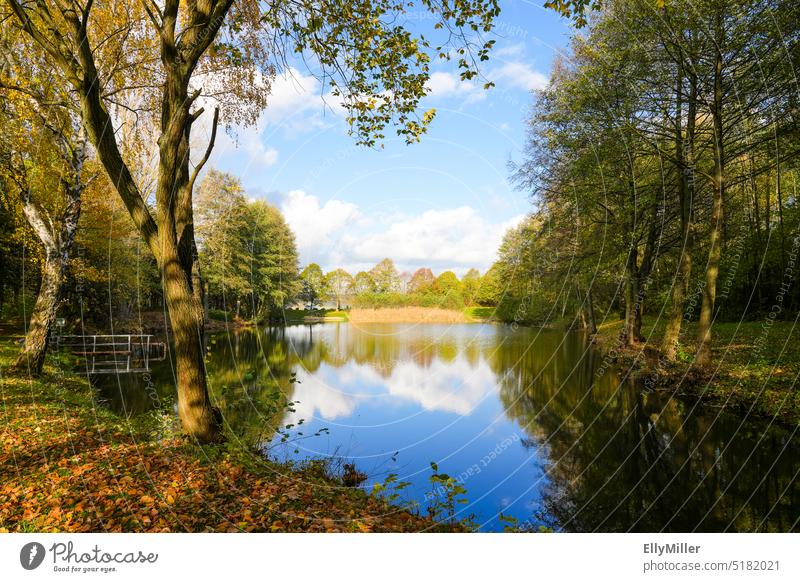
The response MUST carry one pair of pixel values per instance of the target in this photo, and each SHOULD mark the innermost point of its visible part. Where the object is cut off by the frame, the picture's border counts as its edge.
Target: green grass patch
(755, 365)
(479, 313)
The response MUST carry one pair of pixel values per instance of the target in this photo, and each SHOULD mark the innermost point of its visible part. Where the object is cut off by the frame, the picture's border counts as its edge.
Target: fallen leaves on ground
(68, 465)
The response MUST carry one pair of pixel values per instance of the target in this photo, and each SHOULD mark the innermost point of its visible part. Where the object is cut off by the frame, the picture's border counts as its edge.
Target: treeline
(247, 251)
(662, 162)
(384, 286)
(247, 258)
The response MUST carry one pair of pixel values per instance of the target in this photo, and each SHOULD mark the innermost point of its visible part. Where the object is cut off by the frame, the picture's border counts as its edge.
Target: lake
(530, 422)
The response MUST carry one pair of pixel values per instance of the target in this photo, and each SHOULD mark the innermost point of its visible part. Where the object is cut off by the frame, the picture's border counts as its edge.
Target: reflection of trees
(620, 458)
(379, 346)
(250, 370)
(623, 458)
(250, 380)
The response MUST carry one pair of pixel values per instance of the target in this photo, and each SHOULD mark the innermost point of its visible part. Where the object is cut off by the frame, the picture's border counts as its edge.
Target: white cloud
(316, 398)
(297, 103)
(445, 386)
(456, 237)
(315, 224)
(520, 75)
(455, 386)
(442, 84)
(340, 234)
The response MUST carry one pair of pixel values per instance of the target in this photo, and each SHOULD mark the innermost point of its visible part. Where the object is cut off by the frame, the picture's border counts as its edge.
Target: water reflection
(567, 446)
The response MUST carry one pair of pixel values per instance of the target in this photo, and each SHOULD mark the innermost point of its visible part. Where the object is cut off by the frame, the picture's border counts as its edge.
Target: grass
(70, 465)
(755, 366)
(479, 313)
(312, 315)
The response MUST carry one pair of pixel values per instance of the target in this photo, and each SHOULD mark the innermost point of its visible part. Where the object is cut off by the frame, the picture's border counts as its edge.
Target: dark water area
(530, 422)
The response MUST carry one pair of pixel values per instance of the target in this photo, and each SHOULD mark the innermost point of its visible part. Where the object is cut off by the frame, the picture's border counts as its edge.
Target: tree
(665, 141)
(385, 276)
(470, 283)
(378, 69)
(223, 226)
(247, 250)
(447, 282)
(42, 158)
(314, 289)
(274, 279)
(490, 290)
(340, 283)
(363, 283)
(421, 281)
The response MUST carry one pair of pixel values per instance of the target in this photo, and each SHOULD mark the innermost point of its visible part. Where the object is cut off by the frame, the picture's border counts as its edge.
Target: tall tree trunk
(177, 258)
(591, 322)
(703, 356)
(57, 245)
(198, 418)
(630, 333)
(43, 317)
(685, 163)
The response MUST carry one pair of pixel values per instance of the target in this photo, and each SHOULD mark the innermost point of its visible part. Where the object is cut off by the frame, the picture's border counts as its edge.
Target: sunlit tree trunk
(703, 356)
(177, 259)
(57, 236)
(587, 310)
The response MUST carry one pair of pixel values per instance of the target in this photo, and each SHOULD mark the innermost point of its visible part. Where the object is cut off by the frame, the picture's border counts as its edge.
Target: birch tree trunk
(57, 245)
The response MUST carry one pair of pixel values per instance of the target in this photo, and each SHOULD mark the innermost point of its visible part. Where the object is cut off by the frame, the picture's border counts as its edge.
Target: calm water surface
(530, 421)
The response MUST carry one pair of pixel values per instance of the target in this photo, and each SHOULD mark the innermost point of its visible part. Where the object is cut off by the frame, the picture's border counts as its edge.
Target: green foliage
(314, 288)
(247, 250)
(490, 288)
(631, 145)
(391, 489)
(381, 287)
(470, 284)
(578, 10)
(421, 281)
(363, 283)
(385, 276)
(445, 497)
(429, 299)
(484, 313)
(339, 283)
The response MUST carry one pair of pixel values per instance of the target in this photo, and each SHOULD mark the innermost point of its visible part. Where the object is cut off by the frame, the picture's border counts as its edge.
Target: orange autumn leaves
(68, 466)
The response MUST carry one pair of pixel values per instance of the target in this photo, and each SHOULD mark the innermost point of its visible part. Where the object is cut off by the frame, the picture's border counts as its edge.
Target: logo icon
(31, 555)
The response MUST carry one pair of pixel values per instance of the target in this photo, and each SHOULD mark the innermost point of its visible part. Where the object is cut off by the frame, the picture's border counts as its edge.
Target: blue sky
(442, 203)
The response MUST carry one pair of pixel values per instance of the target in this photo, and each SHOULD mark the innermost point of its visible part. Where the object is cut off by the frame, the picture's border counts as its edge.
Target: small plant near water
(448, 493)
(390, 489)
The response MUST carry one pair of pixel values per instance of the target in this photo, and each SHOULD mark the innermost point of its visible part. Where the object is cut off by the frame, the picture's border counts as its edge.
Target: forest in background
(662, 164)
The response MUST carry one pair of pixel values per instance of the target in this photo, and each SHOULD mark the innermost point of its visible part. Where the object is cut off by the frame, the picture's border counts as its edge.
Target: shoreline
(406, 314)
(757, 388)
(71, 465)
